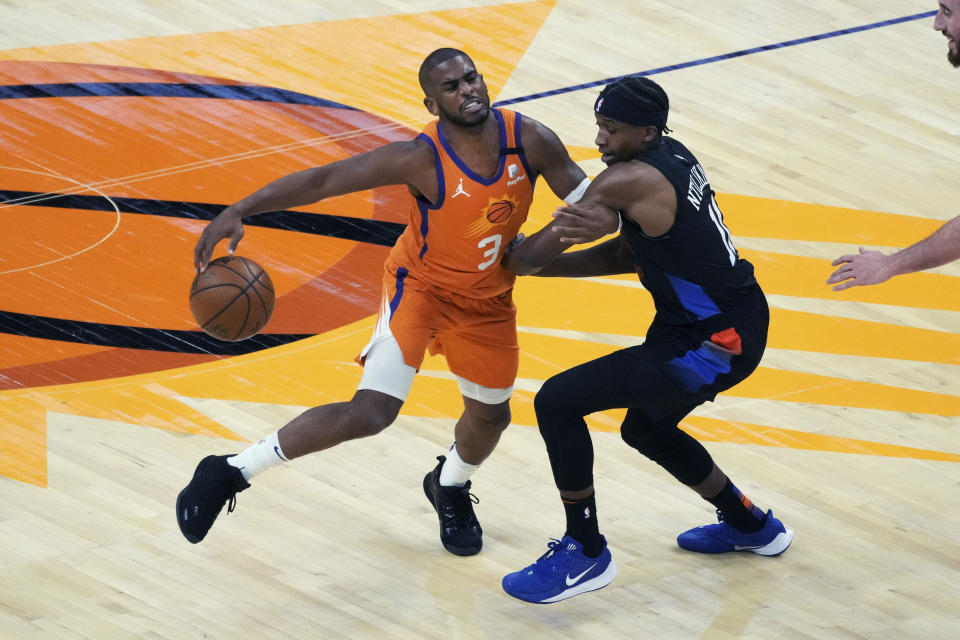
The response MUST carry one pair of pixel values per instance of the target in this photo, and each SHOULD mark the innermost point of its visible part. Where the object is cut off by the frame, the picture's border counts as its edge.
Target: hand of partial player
(869, 267)
(226, 225)
(584, 222)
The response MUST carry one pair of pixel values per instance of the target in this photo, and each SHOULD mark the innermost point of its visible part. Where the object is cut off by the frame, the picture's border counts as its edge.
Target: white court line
(200, 164)
(116, 224)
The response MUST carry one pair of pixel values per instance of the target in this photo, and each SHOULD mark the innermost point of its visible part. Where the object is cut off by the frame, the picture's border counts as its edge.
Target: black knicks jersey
(693, 271)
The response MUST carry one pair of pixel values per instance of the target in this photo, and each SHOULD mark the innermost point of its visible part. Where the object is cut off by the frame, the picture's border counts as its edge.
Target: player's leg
(481, 349)
(486, 414)
(580, 561)
(719, 362)
(383, 388)
(382, 391)
(742, 525)
(218, 479)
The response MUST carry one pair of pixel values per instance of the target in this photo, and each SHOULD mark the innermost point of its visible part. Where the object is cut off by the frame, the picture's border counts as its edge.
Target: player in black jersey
(708, 334)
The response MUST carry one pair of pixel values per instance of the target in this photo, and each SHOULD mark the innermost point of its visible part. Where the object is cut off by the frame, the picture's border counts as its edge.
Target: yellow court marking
(348, 61)
(620, 305)
(149, 400)
(765, 382)
(712, 429)
(790, 275)
(768, 218)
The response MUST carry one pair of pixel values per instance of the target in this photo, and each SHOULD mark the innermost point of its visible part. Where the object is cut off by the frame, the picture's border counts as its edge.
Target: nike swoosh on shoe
(575, 580)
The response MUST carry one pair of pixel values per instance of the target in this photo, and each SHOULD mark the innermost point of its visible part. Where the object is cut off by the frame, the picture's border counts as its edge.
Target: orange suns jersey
(457, 243)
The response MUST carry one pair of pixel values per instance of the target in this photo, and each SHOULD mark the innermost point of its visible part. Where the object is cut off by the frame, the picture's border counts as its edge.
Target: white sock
(455, 472)
(258, 457)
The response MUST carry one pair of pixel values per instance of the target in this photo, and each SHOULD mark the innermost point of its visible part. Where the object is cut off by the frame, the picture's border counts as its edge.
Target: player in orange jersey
(470, 175)
(943, 245)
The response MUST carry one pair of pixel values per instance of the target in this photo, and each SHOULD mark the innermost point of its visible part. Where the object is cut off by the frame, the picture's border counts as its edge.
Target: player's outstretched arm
(605, 259)
(407, 163)
(590, 219)
(873, 267)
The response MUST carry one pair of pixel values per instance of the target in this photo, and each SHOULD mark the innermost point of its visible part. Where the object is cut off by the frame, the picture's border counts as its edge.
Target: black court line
(378, 232)
(720, 58)
(143, 338)
(163, 90)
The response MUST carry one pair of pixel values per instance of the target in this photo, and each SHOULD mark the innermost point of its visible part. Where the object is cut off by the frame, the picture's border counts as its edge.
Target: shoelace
(725, 527)
(460, 507)
(552, 547)
(232, 503)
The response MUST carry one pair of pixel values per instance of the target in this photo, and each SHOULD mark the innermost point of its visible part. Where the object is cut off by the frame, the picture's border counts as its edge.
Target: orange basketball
(233, 299)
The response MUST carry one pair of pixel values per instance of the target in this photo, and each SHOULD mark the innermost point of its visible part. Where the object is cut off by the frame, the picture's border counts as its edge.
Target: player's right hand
(584, 222)
(226, 225)
(857, 270)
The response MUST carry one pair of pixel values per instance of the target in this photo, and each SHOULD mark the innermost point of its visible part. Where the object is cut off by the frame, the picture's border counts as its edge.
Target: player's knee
(553, 398)
(674, 450)
(493, 418)
(653, 443)
(369, 420)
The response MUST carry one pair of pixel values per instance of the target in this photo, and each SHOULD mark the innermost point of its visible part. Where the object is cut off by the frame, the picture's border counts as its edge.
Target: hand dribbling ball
(232, 299)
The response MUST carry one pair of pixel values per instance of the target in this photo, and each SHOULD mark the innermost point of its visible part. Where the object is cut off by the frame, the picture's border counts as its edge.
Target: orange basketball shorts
(478, 338)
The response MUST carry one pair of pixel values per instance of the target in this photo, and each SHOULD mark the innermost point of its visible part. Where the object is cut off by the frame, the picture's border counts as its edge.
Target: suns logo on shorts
(499, 211)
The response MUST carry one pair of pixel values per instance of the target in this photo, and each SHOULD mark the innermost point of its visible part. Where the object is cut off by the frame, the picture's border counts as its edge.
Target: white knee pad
(384, 369)
(486, 395)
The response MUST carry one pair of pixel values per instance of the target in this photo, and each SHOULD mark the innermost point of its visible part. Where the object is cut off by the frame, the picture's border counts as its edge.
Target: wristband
(574, 196)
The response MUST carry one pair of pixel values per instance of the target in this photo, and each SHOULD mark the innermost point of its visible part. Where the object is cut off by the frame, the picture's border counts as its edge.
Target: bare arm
(409, 163)
(874, 267)
(543, 248)
(548, 157)
(636, 189)
(605, 259)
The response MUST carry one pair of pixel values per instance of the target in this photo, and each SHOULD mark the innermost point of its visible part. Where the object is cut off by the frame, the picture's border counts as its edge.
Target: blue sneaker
(561, 573)
(772, 540)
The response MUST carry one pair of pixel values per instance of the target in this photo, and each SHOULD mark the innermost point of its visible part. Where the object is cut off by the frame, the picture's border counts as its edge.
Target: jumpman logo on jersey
(459, 191)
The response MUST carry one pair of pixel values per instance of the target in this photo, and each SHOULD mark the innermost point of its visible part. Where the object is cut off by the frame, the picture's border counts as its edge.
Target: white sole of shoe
(777, 546)
(592, 584)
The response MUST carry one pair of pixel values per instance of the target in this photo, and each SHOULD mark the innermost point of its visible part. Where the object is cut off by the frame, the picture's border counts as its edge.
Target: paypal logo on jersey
(512, 171)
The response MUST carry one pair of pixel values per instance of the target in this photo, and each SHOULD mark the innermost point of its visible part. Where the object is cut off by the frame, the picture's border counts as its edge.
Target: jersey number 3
(492, 253)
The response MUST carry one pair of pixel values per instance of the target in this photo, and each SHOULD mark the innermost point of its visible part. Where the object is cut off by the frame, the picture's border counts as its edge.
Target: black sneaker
(460, 532)
(214, 483)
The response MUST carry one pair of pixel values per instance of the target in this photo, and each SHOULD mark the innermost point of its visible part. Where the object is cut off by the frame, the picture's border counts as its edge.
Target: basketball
(233, 299)
(499, 211)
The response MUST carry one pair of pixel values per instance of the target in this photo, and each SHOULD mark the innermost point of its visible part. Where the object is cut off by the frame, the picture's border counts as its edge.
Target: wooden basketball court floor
(824, 125)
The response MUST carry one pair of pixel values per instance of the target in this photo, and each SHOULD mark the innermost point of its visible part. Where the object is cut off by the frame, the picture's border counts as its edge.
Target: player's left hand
(584, 222)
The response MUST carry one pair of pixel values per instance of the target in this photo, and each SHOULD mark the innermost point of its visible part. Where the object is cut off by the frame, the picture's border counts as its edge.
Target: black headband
(612, 104)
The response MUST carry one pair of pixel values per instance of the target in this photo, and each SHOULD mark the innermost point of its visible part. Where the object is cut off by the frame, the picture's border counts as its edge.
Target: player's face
(621, 142)
(459, 93)
(947, 22)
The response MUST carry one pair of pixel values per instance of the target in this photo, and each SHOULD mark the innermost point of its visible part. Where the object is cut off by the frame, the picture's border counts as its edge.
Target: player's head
(947, 22)
(631, 113)
(453, 88)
